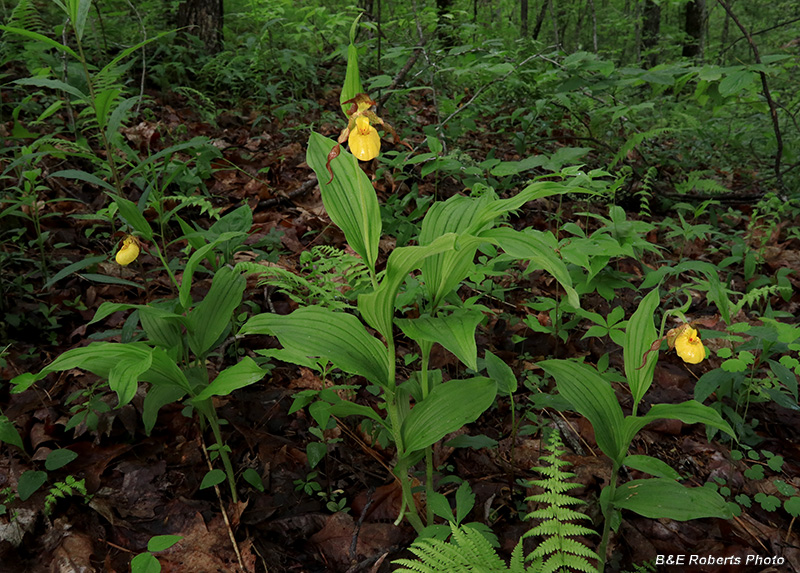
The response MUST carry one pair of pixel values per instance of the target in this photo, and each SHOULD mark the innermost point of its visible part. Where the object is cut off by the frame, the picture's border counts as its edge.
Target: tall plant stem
(609, 510)
(401, 467)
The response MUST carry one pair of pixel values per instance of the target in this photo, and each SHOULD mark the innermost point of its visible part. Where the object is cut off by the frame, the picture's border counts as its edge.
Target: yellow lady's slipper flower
(689, 346)
(128, 252)
(364, 141)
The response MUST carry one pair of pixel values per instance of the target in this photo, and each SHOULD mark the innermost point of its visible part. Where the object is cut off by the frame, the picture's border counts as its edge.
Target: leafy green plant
(469, 549)
(147, 562)
(591, 395)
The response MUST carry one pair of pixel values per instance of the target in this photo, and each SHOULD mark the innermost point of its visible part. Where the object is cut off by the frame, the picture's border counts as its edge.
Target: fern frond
(467, 550)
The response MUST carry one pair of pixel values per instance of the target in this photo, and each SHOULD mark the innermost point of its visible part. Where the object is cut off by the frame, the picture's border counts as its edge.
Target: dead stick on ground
(222, 508)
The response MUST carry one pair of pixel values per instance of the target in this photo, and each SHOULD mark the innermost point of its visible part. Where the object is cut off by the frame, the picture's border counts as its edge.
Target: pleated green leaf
(446, 409)
(591, 396)
(241, 374)
(639, 336)
(665, 498)
(530, 245)
(212, 315)
(456, 332)
(689, 412)
(336, 337)
(349, 199)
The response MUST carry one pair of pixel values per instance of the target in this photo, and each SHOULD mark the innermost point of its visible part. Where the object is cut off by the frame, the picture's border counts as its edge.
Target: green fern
(697, 181)
(558, 552)
(469, 550)
(328, 277)
(646, 192)
(69, 487)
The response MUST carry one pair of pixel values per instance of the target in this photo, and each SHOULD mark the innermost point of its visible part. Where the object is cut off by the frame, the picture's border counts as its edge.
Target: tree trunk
(523, 18)
(651, 28)
(203, 18)
(594, 25)
(540, 20)
(444, 31)
(694, 26)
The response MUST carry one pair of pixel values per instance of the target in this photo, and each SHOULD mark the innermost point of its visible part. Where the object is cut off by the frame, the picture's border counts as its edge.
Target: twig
(222, 508)
(773, 110)
(400, 75)
(304, 188)
(357, 529)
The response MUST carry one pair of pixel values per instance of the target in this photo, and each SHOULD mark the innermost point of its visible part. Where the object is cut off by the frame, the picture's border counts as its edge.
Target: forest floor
(141, 486)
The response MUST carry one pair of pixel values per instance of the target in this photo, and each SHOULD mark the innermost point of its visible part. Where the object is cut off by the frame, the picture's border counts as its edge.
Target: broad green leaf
(241, 374)
(103, 103)
(639, 337)
(315, 453)
(161, 542)
(212, 315)
(346, 408)
(184, 293)
(465, 501)
(506, 168)
(652, 466)
(29, 482)
(455, 331)
(130, 212)
(157, 397)
(212, 478)
(501, 373)
(337, 337)
(447, 408)
(68, 270)
(735, 82)
(40, 38)
(52, 84)
(78, 11)
(349, 199)
(124, 376)
(118, 115)
(665, 498)
(162, 328)
(689, 412)
(377, 307)
(145, 563)
(9, 434)
(529, 246)
(591, 396)
(57, 459)
(251, 476)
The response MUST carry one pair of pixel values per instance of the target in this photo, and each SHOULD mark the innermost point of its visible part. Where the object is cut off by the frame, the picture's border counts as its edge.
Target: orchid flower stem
(607, 518)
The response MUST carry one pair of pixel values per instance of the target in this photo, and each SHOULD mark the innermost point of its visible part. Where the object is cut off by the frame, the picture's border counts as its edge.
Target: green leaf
(377, 307)
(736, 82)
(336, 337)
(145, 563)
(40, 38)
(506, 168)
(131, 214)
(530, 245)
(125, 373)
(251, 476)
(652, 466)
(465, 501)
(689, 412)
(241, 374)
(455, 331)
(352, 79)
(591, 396)
(315, 453)
(665, 498)
(156, 398)
(447, 408)
(161, 542)
(57, 459)
(792, 506)
(501, 373)
(184, 293)
(68, 270)
(29, 482)
(209, 319)
(212, 478)
(639, 337)
(349, 199)
(103, 102)
(52, 84)
(9, 434)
